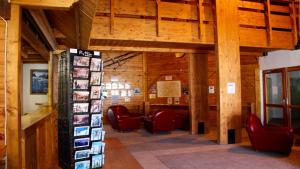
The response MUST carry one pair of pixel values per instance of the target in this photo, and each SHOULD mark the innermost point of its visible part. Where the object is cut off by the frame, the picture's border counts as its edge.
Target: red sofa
(121, 120)
(276, 139)
(163, 120)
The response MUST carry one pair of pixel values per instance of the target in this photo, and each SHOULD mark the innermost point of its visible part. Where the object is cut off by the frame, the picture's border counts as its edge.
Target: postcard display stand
(81, 134)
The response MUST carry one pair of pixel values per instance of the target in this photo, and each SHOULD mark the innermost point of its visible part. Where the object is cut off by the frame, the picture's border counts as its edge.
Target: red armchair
(276, 139)
(120, 118)
(163, 120)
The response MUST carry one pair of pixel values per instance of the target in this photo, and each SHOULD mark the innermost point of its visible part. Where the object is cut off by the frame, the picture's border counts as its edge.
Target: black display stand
(80, 129)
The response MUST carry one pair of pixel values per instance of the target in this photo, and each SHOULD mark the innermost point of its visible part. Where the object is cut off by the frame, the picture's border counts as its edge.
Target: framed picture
(95, 92)
(80, 84)
(81, 95)
(38, 81)
(81, 72)
(96, 78)
(81, 61)
(96, 106)
(96, 120)
(80, 107)
(81, 119)
(97, 161)
(97, 147)
(82, 164)
(96, 134)
(82, 142)
(81, 131)
(96, 64)
(82, 154)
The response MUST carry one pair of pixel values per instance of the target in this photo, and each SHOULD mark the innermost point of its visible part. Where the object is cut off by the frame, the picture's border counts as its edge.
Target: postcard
(82, 142)
(81, 84)
(80, 107)
(95, 78)
(81, 119)
(81, 72)
(82, 164)
(96, 64)
(96, 106)
(96, 120)
(81, 95)
(81, 131)
(96, 134)
(82, 154)
(95, 92)
(81, 61)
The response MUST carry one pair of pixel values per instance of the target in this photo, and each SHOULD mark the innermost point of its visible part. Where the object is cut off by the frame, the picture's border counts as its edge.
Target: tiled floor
(180, 150)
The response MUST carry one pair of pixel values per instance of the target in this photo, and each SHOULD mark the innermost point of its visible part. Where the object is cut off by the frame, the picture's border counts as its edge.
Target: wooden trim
(200, 18)
(268, 21)
(112, 16)
(293, 21)
(158, 18)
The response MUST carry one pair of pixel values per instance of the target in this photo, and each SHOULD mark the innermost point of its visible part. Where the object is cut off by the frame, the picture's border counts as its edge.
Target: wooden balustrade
(39, 140)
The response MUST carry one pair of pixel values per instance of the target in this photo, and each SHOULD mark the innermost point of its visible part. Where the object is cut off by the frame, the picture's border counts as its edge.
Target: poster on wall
(168, 89)
(38, 81)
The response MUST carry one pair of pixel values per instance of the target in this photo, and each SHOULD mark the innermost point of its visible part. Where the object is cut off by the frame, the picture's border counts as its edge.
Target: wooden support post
(257, 93)
(13, 130)
(228, 70)
(158, 18)
(200, 18)
(268, 21)
(198, 80)
(293, 21)
(112, 16)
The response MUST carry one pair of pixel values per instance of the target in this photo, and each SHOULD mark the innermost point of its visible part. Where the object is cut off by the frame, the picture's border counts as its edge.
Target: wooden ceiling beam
(87, 12)
(64, 21)
(5, 9)
(30, 38)
(45, 3)
(41, 20)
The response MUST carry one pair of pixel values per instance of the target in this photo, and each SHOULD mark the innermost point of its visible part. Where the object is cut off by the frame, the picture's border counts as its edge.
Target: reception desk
(39, 130)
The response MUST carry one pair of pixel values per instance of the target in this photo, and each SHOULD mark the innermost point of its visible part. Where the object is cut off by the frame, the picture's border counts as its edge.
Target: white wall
(280, 59)
(275, 60)
(29, 100)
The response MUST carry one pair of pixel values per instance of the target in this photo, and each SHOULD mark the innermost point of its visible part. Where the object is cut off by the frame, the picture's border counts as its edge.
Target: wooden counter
(39, 139)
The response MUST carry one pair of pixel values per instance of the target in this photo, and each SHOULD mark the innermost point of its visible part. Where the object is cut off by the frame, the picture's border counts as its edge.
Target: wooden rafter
(87, 12)
(4, 9)
(30, 37)
(41, 20)
(64, 21)
(45, 3)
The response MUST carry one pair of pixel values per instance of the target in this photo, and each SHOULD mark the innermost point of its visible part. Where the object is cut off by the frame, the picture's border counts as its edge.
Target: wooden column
(198, 82)
(13, 131)
(228, 69)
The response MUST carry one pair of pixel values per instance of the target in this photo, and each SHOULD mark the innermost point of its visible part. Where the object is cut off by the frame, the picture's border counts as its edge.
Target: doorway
(282, 97)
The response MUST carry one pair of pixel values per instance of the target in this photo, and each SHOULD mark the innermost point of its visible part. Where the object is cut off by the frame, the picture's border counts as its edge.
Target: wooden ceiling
(51, 30)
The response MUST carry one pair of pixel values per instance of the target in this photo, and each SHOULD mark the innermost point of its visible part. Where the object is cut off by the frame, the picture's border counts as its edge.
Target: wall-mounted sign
(168, 77)
(231, 88)
(170, 100)
(152, 96)
(211, 89)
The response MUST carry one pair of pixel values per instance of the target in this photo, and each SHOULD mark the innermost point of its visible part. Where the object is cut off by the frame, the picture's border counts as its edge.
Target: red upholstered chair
(120, 118)
(276, 139)
(163, 120)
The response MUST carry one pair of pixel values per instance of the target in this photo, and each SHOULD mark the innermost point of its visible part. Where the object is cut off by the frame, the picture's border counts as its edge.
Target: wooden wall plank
(228, 69)
(13, 90)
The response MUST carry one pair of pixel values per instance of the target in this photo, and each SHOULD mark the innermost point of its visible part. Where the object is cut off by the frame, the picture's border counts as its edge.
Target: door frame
(286, 95)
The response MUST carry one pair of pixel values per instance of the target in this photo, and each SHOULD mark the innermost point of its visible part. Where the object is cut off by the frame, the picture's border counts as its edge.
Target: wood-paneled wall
(160, 65)
(130, 71)
(249, 65)
(2, 45)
